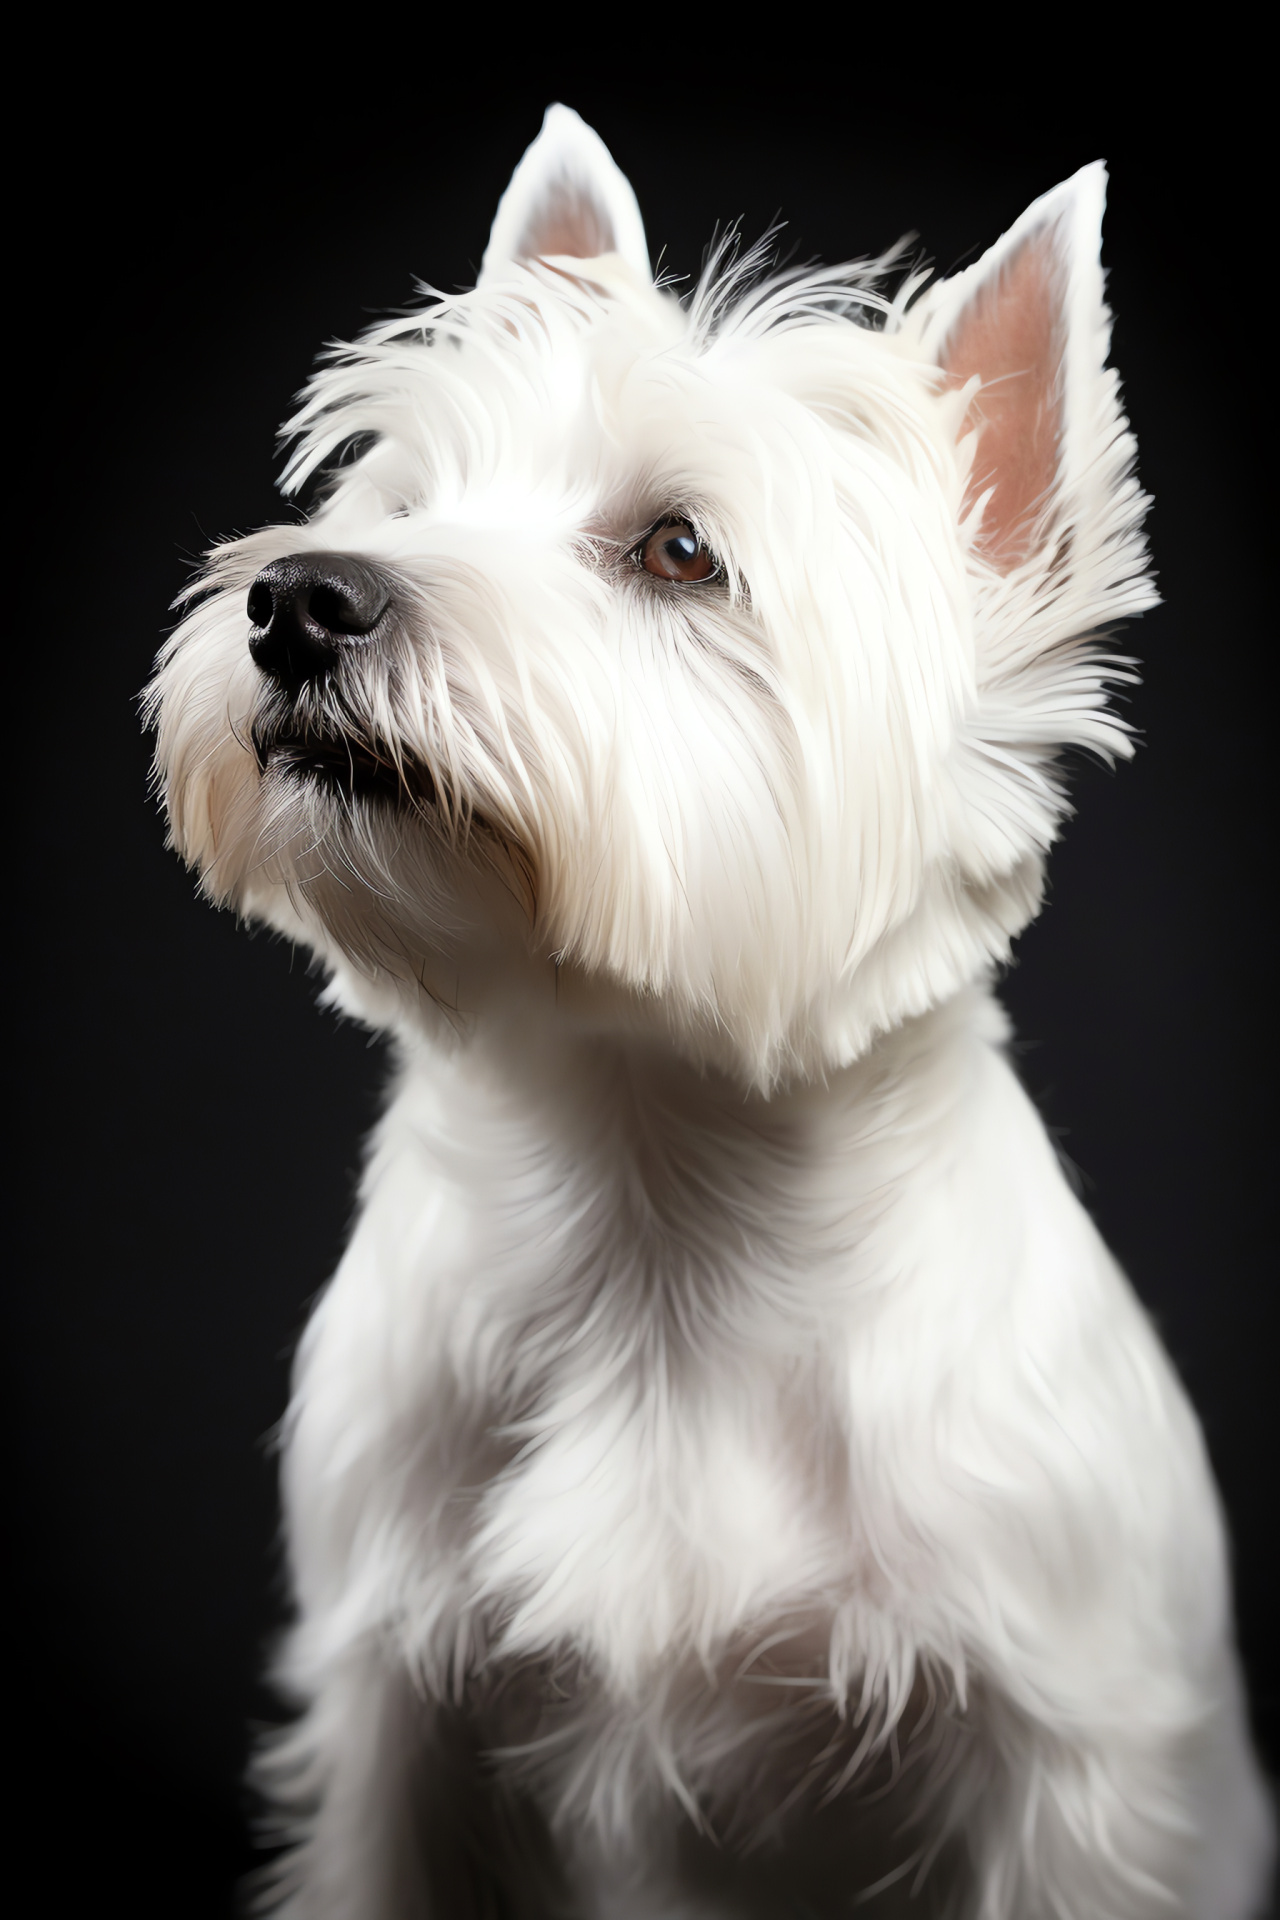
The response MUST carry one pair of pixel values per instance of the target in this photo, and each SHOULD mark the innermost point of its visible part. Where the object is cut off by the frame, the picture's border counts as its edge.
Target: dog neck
(675, 1169)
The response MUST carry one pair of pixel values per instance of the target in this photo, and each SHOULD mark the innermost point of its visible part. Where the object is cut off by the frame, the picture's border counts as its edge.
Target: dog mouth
(356, 769)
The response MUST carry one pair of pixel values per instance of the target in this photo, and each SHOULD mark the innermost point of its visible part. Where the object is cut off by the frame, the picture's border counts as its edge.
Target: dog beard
(363, 831)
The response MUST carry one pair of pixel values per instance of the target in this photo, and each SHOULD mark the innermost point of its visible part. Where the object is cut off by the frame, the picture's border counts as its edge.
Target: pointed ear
(1029, 323)
(566, 197)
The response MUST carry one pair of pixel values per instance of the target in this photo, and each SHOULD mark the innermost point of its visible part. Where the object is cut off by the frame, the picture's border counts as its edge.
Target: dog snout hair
(309, 608)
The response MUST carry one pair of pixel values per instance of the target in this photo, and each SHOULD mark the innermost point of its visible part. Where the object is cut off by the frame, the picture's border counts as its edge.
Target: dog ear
(567, 197)
(1029, 323)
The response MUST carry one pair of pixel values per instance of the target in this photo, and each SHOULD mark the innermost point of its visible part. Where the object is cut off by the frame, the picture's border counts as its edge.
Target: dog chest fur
(701, 1362)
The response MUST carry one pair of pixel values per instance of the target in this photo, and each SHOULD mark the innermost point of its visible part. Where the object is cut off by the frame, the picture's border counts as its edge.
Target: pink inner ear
(1012, 335)
(568, 220)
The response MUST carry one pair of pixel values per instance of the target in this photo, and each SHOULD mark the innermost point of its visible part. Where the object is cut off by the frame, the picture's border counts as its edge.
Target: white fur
(727, 1474)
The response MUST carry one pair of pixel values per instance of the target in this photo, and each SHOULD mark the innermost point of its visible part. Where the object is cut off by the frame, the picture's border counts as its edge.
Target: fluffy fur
(727, 1474)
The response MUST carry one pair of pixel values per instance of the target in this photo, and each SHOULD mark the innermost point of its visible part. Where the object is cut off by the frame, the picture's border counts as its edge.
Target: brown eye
(674, 552)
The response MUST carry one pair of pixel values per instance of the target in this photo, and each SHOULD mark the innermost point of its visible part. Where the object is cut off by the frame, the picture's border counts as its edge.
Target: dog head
(698, 666)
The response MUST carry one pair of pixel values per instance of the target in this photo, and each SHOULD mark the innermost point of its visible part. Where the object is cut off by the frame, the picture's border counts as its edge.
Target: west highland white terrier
(727, 1474)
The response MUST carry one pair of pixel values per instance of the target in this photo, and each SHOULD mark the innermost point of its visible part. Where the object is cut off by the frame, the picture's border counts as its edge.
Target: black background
(192, 224)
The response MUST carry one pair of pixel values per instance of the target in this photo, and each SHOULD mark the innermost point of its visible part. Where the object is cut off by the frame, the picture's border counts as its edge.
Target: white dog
(727, 1474)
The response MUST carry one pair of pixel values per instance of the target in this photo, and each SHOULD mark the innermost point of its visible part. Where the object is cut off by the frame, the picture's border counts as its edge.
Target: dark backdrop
(192, 232)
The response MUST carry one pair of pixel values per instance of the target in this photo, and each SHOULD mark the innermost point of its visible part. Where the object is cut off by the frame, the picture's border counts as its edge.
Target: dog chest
(647, 1519)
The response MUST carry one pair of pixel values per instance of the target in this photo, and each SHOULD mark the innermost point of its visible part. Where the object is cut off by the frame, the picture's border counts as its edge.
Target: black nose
(308, 608)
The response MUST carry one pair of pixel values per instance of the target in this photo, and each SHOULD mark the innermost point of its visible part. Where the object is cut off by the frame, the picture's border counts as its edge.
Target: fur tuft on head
(766, 814)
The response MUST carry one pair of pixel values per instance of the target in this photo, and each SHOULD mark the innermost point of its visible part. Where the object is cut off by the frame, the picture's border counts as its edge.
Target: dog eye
(674, 552)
